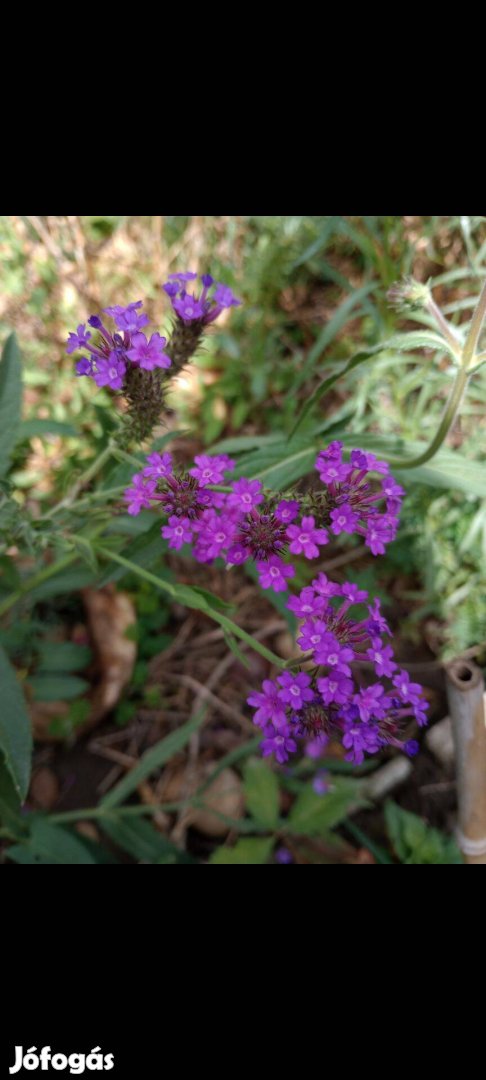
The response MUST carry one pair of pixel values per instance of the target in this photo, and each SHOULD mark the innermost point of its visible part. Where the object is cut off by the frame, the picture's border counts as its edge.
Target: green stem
(38, 579)
(443, 325)
(475, 329)
(176, 594)
(83, 481)
(450, 412)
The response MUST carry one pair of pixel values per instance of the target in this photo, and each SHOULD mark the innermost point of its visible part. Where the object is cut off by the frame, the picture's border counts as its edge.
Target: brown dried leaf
(109, 614)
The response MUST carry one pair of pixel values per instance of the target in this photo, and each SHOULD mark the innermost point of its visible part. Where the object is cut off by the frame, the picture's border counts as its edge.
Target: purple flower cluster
(242, 523)
(112, 352)
(328, 701)
(205, 308)
(352, 500)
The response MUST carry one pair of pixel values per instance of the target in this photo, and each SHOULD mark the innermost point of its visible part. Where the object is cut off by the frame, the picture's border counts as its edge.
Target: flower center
(274, 571)
(332, 659)
(220, 538)
(295, 691)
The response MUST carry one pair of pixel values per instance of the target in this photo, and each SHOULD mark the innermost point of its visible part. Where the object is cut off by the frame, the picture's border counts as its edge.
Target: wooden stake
(465, 694)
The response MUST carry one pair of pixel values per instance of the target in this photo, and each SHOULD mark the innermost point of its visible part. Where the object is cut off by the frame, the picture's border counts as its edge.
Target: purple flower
(411, 747)
(84, 367)
(224, 297)
(268, 706)
(321, 783)
(78, 340)
(215, 532)
(189, 308)
(205, 307)
(295, 689)
(245, 494)
(330, 653)
(140, 494)
(237, 554)
(368, 702)
(359, 460)
(149, 354)
(283, 855)
(377, 623)
(343, 519)
(305, 538)
(315, 748)
(306, 603)
(279, 743)
(408, 691)
(360, 738)
(158, 465)
(324, 587)
(177, 532)
(381, 658)
(312, 633)
(287, 510)
(128, 319)
(110, 372)
(273, 573)
(377, 466)
(353, 593)
(381, 530)
(209, 470)
(332, 471)
(335, 688)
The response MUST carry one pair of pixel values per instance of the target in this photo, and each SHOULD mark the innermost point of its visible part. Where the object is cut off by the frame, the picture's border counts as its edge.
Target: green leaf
(15, 729)
(213, 601)
(419, 339)
(329, 331)
(235, 649)
(9, 802)
(142, 841)
(153, 759)
(51, 844)
(358, 358)
(244, 442)
(249, 852)
(278, 466)
(144, 551)
(57, 687)
(416, 843)
(314, 814)
(261, 792)
(186, 595)
(10, 399)
(447, 469)
(29, 428)
(63, 656)
(63, 583)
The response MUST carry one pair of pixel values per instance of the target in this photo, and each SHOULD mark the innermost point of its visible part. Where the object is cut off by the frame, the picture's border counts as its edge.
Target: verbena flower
(177, 532)
(330, 702)
(353, 503)
(203, 307)
(273, 574)
(126, 360)
(149, 354)
(305, 537)
(279, 742)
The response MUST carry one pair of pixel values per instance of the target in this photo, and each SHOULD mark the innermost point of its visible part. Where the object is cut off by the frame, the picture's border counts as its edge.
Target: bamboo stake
(465, 694)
